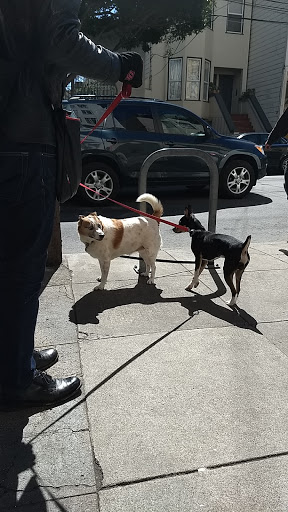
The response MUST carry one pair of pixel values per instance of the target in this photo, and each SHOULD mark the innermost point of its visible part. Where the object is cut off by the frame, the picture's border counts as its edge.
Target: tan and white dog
(106, 239)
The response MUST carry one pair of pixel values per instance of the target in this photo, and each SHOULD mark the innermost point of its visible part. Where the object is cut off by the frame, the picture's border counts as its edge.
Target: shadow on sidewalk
(87, 309)
(16, 456)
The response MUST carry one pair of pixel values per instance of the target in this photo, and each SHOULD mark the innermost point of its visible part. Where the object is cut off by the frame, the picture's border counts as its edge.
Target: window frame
(206, 82)
(147, 70)
(234, 16)
(169, 81)
(199, 81)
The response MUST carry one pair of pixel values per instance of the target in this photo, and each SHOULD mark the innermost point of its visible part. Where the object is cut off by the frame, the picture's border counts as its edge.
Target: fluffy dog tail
(154, 202)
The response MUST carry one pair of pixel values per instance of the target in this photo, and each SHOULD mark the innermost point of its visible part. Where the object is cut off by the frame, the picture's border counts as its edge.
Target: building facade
(183, 72)
(268, 56)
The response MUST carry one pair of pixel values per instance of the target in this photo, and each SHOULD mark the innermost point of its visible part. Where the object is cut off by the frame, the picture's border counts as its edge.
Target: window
(207, 68)
(175, 122)
(175, 79)
(134, 119)
(148, 70)
(235, 16)
(193, 76)
(89, 114)
(91, 120)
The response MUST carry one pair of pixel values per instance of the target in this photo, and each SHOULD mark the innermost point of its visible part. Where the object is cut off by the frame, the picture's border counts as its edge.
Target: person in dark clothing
(40, 44)
(280, 130)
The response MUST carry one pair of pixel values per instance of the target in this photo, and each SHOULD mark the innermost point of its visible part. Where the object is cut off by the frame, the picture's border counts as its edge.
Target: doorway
(226, 88)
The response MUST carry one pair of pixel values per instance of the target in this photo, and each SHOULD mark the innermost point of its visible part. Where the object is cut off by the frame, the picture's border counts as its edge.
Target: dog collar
(87, 244)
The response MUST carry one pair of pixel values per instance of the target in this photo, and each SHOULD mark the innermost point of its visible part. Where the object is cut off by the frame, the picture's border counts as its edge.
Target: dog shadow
(87, 309)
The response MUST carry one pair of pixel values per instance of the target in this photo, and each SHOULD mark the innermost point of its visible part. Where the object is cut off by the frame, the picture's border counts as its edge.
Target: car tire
(284, 165)
(236, 179)
(99, 177)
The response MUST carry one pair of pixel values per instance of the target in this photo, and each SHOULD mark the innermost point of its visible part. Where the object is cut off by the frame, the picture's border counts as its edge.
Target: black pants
(27, 204)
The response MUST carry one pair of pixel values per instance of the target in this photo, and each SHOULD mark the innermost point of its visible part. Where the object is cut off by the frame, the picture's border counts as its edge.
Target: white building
(181, 73)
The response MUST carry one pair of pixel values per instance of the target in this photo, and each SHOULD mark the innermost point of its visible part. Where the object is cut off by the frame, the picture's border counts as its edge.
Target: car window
(89, 113)
(134, 118)
(176, 122)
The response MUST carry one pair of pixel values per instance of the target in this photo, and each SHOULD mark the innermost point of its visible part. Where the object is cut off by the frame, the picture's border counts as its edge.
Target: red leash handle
(125, 93)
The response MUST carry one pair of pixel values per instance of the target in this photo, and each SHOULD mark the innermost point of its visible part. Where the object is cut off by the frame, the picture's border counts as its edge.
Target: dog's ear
(80, 219)
(188, 210)
(94, 214)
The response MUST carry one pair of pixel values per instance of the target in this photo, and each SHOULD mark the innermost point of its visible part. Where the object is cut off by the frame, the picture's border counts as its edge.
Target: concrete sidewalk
(186, 405)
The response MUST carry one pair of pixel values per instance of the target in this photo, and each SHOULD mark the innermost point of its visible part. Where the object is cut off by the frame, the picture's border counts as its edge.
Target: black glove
(131, 61)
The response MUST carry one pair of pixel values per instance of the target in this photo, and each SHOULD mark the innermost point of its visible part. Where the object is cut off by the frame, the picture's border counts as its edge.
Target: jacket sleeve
(280, 129)
(69, 49)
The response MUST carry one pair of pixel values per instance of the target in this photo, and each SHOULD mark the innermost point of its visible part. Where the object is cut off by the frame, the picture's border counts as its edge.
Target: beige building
(234, 74)
(182, 72)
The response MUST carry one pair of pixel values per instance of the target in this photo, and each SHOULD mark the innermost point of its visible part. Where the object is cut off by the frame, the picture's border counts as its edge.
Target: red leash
(183, 228)
(125, 93)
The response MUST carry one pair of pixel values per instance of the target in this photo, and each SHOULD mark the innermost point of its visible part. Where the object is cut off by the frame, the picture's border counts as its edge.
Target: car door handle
(113, 140)
(169, 143)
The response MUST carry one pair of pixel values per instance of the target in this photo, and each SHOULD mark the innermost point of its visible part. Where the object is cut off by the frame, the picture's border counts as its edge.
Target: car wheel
(284, 165)
(102, 181)
(236, 179)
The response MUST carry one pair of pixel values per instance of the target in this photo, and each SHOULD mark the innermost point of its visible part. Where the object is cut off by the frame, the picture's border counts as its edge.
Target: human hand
(131, 62)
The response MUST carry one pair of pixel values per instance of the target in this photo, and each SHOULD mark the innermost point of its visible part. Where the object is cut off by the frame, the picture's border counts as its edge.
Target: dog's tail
(244, 253)
(154, 202)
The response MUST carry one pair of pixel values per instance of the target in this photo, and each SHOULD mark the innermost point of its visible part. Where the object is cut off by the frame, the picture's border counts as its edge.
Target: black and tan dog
(208, 246)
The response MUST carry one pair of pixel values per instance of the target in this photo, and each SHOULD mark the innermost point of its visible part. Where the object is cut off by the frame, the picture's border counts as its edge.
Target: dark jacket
(280, 129)
(40, 44)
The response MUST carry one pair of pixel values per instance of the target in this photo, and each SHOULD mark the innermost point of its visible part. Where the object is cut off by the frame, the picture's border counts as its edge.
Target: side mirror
(208, 131)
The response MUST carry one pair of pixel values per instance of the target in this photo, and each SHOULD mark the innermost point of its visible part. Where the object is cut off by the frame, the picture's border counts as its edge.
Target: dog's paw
(99, 287)
(195, 284)
(150, 281)
(232, 302)
(144, 274)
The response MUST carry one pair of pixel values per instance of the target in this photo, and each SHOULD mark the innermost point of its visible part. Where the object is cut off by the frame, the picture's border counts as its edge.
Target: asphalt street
(262, 214)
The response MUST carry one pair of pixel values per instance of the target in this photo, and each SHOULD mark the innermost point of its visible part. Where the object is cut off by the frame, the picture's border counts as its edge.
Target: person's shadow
(87, 309)
(16, 456)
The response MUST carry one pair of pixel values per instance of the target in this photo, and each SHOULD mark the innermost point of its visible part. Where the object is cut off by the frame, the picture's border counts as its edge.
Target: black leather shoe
(45, 358)
(44, 391)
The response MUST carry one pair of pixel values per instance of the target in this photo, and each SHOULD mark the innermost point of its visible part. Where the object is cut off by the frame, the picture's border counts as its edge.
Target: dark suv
(114, 152)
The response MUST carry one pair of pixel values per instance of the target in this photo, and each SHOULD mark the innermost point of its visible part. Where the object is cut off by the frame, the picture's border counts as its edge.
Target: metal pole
(214, 181)
(213, 169)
